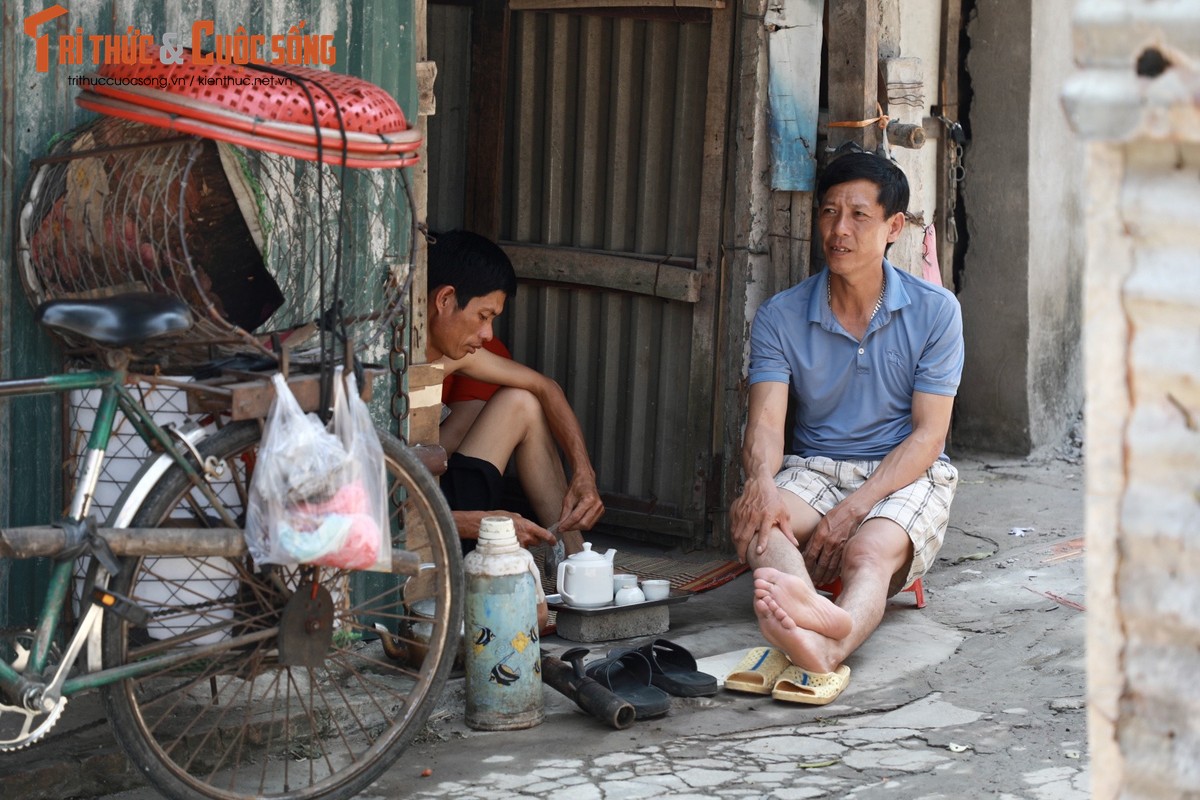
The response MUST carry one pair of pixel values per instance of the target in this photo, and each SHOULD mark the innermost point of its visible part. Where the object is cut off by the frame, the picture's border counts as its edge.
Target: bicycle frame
(227, 542)
(114, 396)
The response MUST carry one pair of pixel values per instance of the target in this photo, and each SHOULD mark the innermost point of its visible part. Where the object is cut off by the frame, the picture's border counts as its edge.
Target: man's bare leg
(873, 555)
(512, 424)
(462, 417)
(788, 576)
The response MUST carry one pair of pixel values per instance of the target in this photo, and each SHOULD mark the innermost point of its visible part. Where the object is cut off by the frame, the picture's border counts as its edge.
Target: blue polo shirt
(854, 399)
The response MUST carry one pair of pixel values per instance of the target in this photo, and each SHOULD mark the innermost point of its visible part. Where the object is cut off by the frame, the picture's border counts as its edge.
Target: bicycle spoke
(233, 710)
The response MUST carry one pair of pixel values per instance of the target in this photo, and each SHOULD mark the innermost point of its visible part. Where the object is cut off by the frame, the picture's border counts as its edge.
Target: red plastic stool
(916, 587)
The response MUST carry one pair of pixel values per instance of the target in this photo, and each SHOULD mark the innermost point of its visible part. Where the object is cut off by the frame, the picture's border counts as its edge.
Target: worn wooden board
(853, 79)
(605, 270)
(794, 62)
(424, 402)
(251, 399)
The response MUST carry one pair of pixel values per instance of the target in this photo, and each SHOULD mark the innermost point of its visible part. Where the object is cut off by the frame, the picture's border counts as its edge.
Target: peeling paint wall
(914, 36)
(1020, 283)
(1143, 391)
(374, 40)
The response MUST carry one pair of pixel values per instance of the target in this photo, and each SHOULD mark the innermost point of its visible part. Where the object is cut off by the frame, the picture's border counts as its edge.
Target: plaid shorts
(922, 508)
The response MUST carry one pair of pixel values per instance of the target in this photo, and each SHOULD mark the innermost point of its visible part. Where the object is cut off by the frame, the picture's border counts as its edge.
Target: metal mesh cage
(248, 239)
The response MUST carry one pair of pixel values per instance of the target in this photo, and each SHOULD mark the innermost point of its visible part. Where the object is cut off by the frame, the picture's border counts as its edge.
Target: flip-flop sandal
(757, 671)
(797, 685)
(673, 669)
(627, 675)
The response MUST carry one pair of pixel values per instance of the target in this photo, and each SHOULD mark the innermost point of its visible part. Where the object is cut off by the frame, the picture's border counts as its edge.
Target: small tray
(554, 601)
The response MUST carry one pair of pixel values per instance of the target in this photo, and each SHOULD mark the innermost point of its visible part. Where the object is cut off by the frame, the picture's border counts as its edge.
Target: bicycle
(222, 679)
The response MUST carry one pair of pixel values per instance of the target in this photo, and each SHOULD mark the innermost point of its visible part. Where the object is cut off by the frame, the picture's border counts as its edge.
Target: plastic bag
(318, 495)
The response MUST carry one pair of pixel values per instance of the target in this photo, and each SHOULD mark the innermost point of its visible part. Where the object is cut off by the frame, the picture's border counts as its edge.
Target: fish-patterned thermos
(503, 657)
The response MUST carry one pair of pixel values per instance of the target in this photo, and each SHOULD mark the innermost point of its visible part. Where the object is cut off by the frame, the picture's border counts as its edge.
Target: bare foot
(796, 599)
(803, 648)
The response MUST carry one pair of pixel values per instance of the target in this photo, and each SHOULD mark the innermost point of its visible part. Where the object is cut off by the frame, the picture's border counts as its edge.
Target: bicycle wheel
(232, 715)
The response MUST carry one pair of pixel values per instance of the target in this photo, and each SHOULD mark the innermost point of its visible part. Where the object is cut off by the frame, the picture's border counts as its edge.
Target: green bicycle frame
(114, 395)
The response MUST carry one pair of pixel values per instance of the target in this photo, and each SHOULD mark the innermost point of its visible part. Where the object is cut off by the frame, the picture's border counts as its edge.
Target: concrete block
(626, 622)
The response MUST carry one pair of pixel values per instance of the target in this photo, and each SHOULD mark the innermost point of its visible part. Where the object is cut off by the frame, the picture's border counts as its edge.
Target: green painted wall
(375, 40)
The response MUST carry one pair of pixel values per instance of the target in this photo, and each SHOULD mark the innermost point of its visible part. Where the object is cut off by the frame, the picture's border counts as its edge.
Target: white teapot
(585, 580)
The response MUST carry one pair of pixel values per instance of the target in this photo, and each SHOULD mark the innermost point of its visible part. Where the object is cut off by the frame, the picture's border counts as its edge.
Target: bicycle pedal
(122, 606)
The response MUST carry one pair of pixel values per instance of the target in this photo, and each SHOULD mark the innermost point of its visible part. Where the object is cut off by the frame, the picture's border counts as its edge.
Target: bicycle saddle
(117, 321)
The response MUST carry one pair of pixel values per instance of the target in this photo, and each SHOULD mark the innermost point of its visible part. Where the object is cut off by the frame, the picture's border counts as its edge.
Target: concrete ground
(979, 694)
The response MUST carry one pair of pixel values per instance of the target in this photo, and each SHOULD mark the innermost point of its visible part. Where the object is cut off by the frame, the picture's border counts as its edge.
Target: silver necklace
(874, 311)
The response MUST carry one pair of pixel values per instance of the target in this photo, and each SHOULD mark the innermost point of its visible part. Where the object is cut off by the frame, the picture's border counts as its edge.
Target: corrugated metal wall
(604, 132)
(449, 48)
(374, 40)
(603, 149)
(603, 152)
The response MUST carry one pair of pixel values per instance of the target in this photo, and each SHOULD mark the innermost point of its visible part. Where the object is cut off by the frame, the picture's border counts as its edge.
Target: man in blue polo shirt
(860, 487)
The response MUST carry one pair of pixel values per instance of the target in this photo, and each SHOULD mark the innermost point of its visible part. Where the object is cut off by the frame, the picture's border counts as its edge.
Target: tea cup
(628, 595)
(656, 589)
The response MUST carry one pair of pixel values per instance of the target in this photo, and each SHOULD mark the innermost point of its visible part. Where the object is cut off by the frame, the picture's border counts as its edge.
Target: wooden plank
(252, 399)
(424, 402)
(426, 98)
(949, 58)
(947, 109)
(47, 542)
(418, 322)
(741, 273)
(853, 70)
(801, 236)
(597, 269)
(588, 5)
(485, 129)
(705, 420)
(625, 521)
(794, 32)
(779, 241)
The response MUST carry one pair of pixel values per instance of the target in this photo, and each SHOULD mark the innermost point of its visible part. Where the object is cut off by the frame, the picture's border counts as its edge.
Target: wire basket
(240, 235)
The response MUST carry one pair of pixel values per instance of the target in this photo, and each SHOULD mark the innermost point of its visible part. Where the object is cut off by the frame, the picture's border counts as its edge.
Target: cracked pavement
(979, 694)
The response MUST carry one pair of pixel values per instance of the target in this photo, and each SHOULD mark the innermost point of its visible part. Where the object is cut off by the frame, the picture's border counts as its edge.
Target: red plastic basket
(260, 109)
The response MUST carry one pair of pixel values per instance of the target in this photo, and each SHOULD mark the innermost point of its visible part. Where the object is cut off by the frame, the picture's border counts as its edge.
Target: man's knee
(518, 403)
(879, 545)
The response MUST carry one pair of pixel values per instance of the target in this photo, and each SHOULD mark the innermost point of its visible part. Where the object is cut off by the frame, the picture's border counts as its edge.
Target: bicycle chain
(398, 361)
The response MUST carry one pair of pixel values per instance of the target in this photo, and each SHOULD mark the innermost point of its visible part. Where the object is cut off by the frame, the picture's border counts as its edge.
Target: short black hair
(474, 265)
(893, 186)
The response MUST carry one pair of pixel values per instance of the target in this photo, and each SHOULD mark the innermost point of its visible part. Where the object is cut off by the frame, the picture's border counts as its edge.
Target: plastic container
(503, 654)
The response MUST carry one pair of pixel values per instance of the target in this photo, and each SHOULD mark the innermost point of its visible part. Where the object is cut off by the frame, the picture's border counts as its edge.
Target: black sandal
(627, 675)
(673, 669)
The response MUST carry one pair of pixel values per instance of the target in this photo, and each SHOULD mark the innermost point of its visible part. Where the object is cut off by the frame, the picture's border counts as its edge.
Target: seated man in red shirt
(526, 419)
(463, 398)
